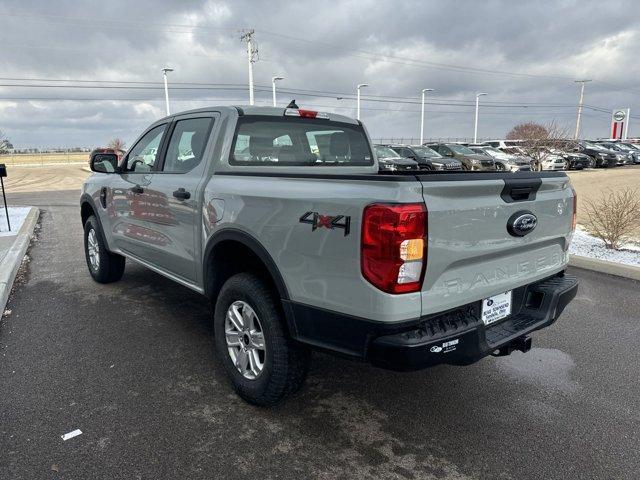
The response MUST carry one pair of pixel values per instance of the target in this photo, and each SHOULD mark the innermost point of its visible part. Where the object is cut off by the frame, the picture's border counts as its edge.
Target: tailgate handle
(520, 189)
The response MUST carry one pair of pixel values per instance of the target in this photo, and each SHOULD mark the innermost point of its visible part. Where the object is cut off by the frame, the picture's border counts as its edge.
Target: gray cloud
(320, 46)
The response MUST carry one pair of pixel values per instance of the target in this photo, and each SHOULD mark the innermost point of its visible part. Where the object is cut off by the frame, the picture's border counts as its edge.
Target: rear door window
(293, 141)
(186, 148)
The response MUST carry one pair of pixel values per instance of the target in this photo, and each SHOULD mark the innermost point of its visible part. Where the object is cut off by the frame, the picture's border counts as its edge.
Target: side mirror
(103, 162)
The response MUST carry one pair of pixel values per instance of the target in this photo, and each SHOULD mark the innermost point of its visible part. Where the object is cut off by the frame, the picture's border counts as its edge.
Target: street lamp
(166, 87)
(475, 130)
(360, 85)
(582, 82)
(273, 87)
(424, 90)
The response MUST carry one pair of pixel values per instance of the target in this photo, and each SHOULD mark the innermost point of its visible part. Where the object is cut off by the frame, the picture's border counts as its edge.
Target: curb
(604, 266)
(12, 261)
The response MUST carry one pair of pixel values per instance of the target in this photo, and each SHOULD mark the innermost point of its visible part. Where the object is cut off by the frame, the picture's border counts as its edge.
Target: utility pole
(360, 85)
(252, 57)
(166, 87)
(475, 129)
(273, 87)
(582, 82)
(424, 90)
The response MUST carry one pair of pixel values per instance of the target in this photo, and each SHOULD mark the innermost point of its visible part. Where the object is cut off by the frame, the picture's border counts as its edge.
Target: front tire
(264, 364)
(104, 266)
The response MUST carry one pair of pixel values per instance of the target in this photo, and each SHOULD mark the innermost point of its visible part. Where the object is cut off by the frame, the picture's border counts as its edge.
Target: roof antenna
(292, 104)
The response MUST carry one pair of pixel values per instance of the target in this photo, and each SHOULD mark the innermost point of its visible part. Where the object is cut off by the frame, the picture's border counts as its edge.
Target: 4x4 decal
(327, 221)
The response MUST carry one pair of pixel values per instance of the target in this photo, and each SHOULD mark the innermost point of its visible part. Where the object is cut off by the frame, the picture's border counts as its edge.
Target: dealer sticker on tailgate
(496, 308)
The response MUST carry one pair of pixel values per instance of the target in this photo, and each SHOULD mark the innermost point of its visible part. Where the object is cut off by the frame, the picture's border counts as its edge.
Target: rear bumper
(460, 338)
(455, 337)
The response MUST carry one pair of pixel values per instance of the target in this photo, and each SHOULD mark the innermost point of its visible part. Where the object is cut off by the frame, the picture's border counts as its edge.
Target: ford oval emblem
(521, 223)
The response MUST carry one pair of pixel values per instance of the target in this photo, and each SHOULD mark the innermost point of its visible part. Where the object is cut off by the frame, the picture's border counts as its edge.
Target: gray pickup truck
(282, 219)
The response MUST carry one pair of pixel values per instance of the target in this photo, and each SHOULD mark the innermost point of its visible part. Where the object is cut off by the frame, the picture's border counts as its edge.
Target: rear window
(292, 141)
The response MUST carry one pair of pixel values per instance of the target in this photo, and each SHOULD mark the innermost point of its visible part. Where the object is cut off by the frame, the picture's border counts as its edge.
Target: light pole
(166, 87)
(424, 90)
(582, 82)
(360, 85)
(273, 87)
(475, 129)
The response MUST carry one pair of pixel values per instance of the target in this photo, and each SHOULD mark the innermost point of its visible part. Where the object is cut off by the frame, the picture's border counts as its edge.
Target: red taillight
(575, 209)
(393, 254)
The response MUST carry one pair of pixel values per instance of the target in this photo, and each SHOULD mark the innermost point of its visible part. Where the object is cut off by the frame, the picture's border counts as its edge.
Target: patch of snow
(17, 216)
(586, 245)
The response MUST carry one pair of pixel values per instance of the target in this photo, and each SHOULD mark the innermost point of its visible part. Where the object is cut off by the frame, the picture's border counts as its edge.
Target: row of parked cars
(507, 155)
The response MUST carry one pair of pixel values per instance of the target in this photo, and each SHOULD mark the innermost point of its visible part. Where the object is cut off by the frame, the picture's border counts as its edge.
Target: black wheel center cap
(245, 339)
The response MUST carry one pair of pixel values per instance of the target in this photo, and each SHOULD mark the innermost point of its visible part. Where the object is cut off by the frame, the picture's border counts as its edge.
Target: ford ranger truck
(283, 220)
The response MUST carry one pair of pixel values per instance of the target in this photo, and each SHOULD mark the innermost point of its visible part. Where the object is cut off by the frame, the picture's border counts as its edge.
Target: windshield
(461, 149)
(294, 141)
(385, 152)
(595, 146)
(426, 152)
(624, 147)
(493, 150)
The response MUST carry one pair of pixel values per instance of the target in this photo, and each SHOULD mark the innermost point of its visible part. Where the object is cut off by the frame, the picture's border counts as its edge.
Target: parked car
(298, 249)
(549, 160)
(503, 143)
(574, 160)
(389, 160)
(427, 158)
(504, 161)
(628, 153)
(519, 152)
(470, 160)
(636, 150)
(601, 156)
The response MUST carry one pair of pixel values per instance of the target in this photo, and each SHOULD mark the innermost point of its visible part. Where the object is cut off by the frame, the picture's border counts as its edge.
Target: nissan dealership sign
(619, 123)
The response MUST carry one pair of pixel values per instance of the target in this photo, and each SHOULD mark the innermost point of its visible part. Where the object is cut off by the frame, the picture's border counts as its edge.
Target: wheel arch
(87, 208)
(230, 241)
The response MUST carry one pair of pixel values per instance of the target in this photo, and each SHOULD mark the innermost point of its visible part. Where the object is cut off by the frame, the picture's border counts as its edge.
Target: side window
(186, 148)
(143, 155)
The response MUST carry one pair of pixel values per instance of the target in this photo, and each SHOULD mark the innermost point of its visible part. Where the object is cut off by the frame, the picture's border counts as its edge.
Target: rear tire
(248, 315)
(500, 167)
(104, 266)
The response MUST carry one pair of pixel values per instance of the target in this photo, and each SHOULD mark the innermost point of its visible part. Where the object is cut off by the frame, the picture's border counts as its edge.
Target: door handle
(137, 189)
(182, 194)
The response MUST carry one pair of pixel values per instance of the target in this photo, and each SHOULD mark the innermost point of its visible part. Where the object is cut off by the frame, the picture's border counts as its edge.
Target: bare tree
(527, 130)
(536, 140)
(614, 217)
(117, 144)
(5, 144)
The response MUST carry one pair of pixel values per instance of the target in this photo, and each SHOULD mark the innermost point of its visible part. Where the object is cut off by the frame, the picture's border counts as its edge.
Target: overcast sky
(520, 53)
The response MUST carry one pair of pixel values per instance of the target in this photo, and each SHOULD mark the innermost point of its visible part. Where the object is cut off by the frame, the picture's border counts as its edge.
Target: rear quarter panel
(320, 267)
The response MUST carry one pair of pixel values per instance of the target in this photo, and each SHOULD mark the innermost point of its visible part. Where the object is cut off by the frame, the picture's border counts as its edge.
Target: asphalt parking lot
(131, 364)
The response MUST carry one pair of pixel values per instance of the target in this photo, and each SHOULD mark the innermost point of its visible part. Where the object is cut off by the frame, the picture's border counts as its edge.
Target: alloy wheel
(245, 339)
(93, 249)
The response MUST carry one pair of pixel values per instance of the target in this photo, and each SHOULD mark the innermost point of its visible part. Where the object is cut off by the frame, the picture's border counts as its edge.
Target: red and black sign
(330, 222)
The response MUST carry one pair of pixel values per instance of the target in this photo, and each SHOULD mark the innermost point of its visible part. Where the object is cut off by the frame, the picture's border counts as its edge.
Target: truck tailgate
(471, 255)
